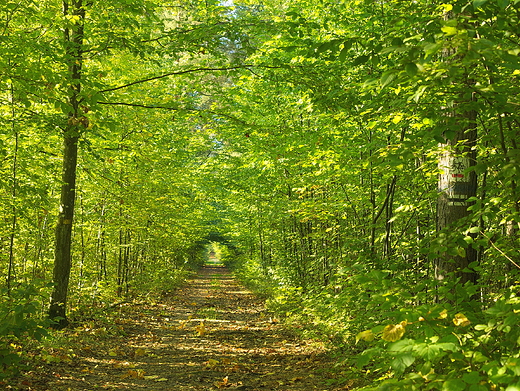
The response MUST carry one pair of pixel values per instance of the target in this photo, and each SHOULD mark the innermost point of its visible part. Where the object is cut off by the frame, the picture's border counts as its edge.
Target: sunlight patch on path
(213, 334)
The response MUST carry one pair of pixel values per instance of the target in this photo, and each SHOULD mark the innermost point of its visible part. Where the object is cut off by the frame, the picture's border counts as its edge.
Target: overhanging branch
(194, 70)
(177, 73)
(141, 105)
(173, 109)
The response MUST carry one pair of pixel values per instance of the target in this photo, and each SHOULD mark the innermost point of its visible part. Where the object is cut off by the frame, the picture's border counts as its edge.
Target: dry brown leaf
(222, 384)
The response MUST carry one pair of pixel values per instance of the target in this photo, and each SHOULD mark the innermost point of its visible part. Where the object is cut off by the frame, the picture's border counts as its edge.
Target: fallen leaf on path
(212, 363)
(115, 352)
(222, 384)
(201, 329)
(124, 364)
(134, 374)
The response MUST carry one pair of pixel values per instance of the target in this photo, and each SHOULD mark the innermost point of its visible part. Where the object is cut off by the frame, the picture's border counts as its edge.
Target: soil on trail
(211, 334)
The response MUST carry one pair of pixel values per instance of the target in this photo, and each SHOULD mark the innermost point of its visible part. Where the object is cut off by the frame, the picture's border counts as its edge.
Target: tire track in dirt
(212, 334)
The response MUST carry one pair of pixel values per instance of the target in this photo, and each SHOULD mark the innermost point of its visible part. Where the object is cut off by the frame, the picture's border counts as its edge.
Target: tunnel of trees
(356, 160)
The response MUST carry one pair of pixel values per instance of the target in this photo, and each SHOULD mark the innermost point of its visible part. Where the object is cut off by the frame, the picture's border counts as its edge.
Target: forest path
(212, 334)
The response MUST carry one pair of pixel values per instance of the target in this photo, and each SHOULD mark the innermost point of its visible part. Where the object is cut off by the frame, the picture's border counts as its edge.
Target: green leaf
(479, 3)
(448, 346)
(503, 4)
(324, 47)
(411, 69)
(403, 361)
(387, 77)
(431, 48)
(404, 345)
(471, 377)
(343, 53)
(453, 385)
(361, 60)
(363, 360)
(449, 30)
(513, 364)
(429, 351)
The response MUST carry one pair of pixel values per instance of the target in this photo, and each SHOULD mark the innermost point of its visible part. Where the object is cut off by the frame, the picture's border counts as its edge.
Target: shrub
(448, 347)
(20, 321)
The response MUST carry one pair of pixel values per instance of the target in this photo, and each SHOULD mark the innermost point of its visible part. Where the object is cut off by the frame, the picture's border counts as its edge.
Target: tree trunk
(73, 41)
(14, 195)
(456, 185)
(62, 252)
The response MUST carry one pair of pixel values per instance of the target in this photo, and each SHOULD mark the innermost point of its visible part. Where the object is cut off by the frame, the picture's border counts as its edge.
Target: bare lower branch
(175, 74)
(195, 70)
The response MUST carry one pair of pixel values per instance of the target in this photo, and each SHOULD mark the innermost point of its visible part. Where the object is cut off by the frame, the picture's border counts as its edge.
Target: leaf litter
(211, 334)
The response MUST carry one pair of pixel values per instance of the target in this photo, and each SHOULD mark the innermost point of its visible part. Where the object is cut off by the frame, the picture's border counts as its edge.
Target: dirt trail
(212, 334)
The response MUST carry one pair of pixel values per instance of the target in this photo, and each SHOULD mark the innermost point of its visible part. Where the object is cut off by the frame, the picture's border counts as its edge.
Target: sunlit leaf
(449, 30)
(366, 335)
(443, 314)
(394, 332)
(461, 320)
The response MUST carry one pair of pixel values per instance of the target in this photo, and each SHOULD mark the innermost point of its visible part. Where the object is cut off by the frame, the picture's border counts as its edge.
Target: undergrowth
(27, 340)
(388, 334)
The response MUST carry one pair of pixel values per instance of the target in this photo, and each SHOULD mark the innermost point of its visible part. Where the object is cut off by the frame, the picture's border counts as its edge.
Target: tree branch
(139, 105)
(174, 74)
(177, 73)
(173, 109)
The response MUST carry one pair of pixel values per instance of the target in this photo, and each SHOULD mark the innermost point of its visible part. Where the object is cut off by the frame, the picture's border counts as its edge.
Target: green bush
(447, 347)
(21, 320)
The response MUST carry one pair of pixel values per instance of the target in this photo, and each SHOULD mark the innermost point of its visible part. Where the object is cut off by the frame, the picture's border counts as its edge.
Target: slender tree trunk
(63, 243)
(14, 218)
(73, 41)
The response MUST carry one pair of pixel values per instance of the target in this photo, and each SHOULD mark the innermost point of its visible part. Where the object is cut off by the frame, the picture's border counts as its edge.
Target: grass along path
(211, 334)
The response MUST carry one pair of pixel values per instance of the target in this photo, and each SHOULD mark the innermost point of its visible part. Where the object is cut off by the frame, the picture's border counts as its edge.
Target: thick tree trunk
(456, 186)
(456, 183)
(73, 42)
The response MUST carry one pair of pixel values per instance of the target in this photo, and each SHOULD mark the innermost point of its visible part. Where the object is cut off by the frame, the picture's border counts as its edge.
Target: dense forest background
(356, 161)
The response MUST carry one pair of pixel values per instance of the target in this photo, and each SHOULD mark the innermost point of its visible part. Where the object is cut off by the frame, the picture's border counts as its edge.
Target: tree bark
(456, 186)
(63, 243)
(73, 42)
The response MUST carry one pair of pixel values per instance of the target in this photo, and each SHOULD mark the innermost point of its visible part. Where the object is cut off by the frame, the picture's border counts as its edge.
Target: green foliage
(444, 348)
(20, 322)
(308, 134)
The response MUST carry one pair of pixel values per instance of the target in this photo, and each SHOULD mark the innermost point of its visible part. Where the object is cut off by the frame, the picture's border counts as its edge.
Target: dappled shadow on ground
(212, 334)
